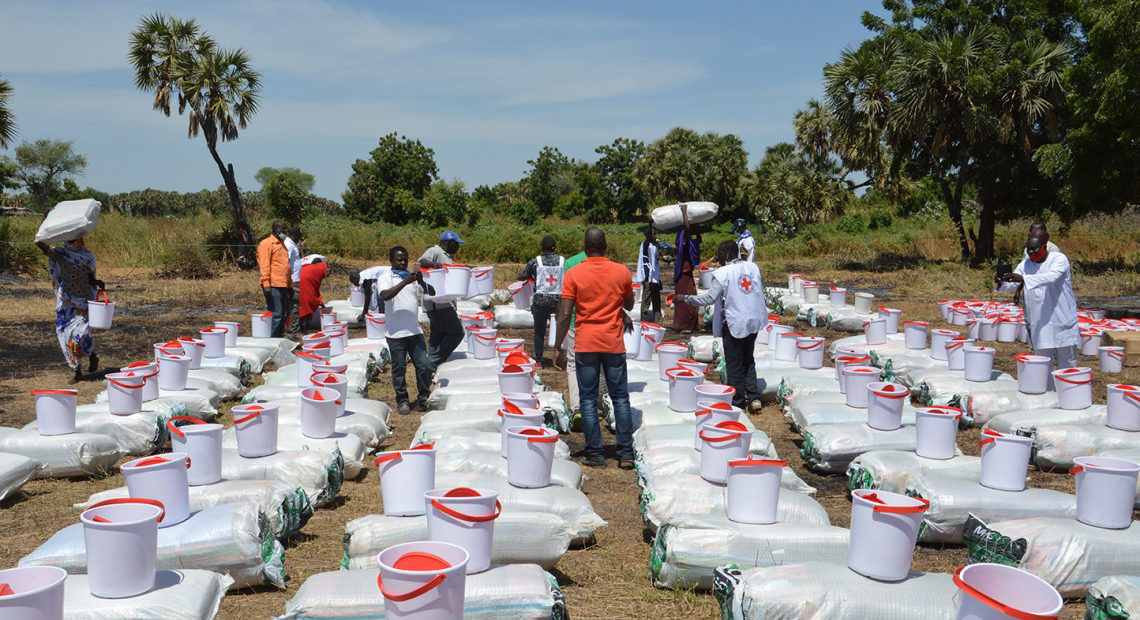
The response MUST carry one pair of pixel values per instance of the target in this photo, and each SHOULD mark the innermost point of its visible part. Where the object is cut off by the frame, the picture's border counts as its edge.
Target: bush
(16, 250)
(186, 261)
(851, 224)
(880, 218)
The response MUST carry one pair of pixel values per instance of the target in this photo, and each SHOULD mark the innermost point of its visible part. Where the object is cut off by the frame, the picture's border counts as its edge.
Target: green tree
(615, 169)
(286, 198)
(215, 87)
(300, 178)
(42, 166)
(787, 190)
(684, 165)
(444, 204)
(547, 180)
(381, 187)
(7, 120)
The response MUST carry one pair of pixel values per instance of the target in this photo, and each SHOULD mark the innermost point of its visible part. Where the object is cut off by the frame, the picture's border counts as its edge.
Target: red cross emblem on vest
(551, 280)
(746, 284)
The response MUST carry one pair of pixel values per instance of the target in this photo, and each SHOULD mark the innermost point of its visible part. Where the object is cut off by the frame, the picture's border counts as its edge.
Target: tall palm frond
(7, 120)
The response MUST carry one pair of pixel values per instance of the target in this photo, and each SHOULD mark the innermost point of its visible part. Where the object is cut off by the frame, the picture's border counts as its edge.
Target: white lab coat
(1049, 302)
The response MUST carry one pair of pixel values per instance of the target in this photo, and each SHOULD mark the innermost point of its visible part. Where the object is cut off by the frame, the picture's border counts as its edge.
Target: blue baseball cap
(449, 235)
(739, 222)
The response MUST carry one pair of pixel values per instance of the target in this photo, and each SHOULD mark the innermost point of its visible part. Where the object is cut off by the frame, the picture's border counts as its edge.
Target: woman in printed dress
(72, 268)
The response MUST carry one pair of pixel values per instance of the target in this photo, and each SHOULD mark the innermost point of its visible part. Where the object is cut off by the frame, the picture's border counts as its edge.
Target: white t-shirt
(372, 273)
(402, 312)
(294, 258)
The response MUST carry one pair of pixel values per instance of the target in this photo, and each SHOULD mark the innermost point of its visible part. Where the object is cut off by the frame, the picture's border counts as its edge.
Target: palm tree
(215, 87)
(7, 121)
(813, 131)
(861, 102)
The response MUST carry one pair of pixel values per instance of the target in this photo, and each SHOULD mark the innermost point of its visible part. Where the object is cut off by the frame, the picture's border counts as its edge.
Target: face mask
(1039, 255)
(403, 273)
(281, 236)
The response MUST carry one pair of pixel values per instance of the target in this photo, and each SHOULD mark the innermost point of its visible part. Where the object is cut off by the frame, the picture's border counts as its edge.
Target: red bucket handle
(954, 344)
(63, 392)
(469, 518)
(544, 438)
(125, 386)
(996, 604)
(661, 344)
(992, 436)
(1062, 379)
(1117, 354)
(391, 456)
(728, 437)
(183, 418)
(750, 461)
(106, 299)
(155, 460)
(881, 506)
(424, 446)
(902, 393)
(265, 315)
(129, 500)
(810, 346)
(407, 596)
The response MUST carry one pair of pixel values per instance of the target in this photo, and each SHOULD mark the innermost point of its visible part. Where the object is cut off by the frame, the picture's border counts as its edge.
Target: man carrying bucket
(1044, 281)
(446, 329)
(366, 280)
(545, 271)
(405, 337)
(276, 277)
(598, 292)
(737, 289)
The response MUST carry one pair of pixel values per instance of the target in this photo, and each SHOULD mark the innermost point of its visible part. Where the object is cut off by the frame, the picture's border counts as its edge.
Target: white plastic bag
(280, 349)
(685, 557)
(952, 501)
(570, 504)
(707, 349)
(232, 364)
(511, 592)
(449, 442)
(370, 429)
(832, 408)
(199, 402)
(669, 217)
(231, 539)
(69, 220)
(15, 470)
(681, 436)
(656, 463)
(831, 447)
(318, 474)
(691, 501)
(225, 384)
(520, 538)
(563, 472)
(289, 438)
(1055, 447)
(895, 471)
(64, 456)
(510, 317)
(177, 595)
(136, 434)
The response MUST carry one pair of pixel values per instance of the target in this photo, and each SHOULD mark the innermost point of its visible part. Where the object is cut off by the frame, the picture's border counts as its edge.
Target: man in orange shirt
(276, 277)
(598, 291)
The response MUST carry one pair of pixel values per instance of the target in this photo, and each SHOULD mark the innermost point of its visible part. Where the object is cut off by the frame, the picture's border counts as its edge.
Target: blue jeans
(277, 302)
(401, 349)
(589, 368)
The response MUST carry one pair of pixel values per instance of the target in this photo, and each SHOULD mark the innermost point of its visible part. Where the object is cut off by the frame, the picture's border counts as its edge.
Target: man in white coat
(738, 292)
(1044, 281)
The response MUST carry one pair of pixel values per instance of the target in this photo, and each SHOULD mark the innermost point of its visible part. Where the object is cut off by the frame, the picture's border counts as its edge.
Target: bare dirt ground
(609, 579)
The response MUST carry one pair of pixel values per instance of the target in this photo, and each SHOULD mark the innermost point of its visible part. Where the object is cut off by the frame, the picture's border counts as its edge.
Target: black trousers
(740, 365)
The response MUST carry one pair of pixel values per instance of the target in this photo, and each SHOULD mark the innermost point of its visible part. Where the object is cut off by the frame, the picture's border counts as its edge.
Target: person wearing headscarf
(688, 260)
(72, 268)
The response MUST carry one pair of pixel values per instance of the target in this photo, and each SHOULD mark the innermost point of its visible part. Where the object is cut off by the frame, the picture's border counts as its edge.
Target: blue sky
(484, 84)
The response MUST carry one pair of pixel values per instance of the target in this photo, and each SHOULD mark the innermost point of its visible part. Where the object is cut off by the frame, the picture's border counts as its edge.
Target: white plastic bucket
(1006, 330)
(938, 338)
(717, 392)
(885, 404)
(959, 315)
(356, 297)
(124, 392)
(774, 332)
(1106, 490)
(1090, 340)
(456, 279)
(944, 309)
(1033, 373)
(987, 329)
(693, 365)
(855, 382)
(1005, 460)
(706, 277)
(320, 408)
(811, 293)
(521, 400)
(1096, 314)
(786, 350)
(201, 442)
(651, 336)
(255, 426)
(521, 293)
(121, 539)
(1074, 387)
(423, 580)
(514, 416)
(328, 317)
(875, 331)
(172, 347)
(809, 351)
(405, 475)
(892, 316)
(552, 329)
(192, 348)
(231, 331)
(998, 592)
(972, 328)
(530, 455)
(55, 411)
(261, 325)
(464, 517)
(321, 349)
(215, 340)
(332, 381)
(338, 339)
(100, 314)
(482, 281)
(726, 441)
(632, 340)
(516, 379)
(483, 343)
(336, 368)
(163, 478)
(712, 413)
(173, 370)
(979, 363)
(884, 528)
(956, 352)
(314, 338)
(682, 389)
(149, 372)
(1123, 407)
(36, 593)
(914, 334)
(837, 296)
(936, 430)
(375, 326)
(305, 362)
(753, 490)
(863, 303)
(844, 361)
(1111, 359)
(668, 354)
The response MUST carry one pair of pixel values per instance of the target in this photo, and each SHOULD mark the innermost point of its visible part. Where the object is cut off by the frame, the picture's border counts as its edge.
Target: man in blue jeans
(599, 292)
(401, 290)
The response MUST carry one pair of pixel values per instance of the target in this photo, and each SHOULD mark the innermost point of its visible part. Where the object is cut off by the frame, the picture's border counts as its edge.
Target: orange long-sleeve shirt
(273, 260)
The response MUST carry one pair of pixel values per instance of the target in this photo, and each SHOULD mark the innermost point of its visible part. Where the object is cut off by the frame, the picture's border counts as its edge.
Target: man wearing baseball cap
(446, 330)
(745, 244)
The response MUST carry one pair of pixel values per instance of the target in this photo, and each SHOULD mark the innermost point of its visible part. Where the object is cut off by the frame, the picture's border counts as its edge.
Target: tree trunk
(227, 171)
(954, 206)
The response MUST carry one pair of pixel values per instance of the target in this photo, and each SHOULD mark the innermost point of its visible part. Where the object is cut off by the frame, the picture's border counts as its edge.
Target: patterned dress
(72, 270)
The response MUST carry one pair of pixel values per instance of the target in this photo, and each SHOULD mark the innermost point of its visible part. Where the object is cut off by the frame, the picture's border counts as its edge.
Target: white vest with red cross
(743, 297)
(548, 278)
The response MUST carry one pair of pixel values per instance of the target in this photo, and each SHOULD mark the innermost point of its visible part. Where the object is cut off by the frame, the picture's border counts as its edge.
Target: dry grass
(609, 579)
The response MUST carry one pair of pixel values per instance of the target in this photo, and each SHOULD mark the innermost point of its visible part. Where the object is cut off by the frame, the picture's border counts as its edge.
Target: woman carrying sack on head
(72, 268)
